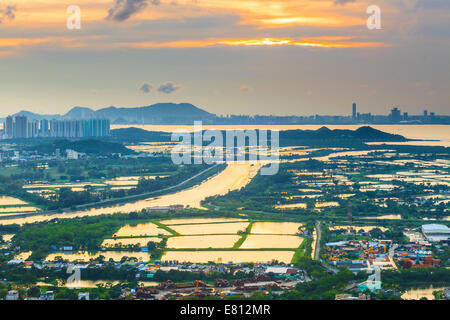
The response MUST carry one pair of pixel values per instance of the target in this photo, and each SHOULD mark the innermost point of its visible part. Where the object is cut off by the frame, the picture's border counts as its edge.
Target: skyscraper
(32, 129)
(80, 128)
(44, 128)
(354, 111)
(9, 127)
(20, 128)
(395, 115)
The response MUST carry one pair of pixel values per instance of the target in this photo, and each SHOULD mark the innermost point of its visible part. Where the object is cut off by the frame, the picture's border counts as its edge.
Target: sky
(281, 57)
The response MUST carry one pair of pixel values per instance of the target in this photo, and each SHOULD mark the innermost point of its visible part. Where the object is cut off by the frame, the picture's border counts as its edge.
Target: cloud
(246, 88)
(145, 88)
(124, 9)
(8, 13)
(433, 4)
(168, 87)
(317, 42)
(343, 2)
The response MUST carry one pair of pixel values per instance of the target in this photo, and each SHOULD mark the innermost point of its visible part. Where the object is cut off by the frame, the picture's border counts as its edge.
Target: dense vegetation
(264, 193)
(87, 233)
(95, 171)
(416, 278)
(81, 234)
(88, 146)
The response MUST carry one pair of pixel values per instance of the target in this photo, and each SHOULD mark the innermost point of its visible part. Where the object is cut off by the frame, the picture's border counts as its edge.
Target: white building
(277, 270)
(83, 296)
(47, 296)
(12, 295)
(72, 154)
(15, 261)
(436, 232)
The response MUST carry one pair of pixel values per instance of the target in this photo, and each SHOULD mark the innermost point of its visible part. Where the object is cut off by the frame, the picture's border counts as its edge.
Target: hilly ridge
(288, 137)
(159, 113)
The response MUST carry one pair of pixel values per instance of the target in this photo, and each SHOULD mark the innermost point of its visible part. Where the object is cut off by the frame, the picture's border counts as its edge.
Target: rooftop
(435, 228)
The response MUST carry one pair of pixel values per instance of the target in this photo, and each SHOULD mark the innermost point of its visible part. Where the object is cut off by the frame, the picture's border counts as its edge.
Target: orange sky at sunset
(297, 56)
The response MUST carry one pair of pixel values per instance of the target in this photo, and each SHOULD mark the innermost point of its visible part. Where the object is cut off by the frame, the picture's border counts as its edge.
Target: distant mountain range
(186, 114)
(160, 113)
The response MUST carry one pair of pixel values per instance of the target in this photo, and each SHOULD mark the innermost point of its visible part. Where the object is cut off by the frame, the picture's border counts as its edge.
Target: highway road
(317, 250)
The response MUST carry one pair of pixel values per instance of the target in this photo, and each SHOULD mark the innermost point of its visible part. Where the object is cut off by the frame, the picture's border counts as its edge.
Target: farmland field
(202, 220)
(87, 256)
(229, 256)
(275, 227)
(202, 242)
(142, 242)
(10, 201)
(213, 228)
(140, 230)
(271, 241)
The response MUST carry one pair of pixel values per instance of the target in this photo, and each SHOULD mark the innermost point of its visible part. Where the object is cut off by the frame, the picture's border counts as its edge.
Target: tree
(151, 245)
(34, 292)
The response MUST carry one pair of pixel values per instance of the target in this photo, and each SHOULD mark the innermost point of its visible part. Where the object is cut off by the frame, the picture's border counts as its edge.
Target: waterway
(233, 177)
(422, 132)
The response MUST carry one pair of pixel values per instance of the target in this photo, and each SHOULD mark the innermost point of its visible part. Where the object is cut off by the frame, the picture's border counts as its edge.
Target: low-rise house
(83, 296)
(12, 295)
(15, 261)
(347, 296)
(353, 265)
(370, 284)
(282, 272)
(47, 296)
(446, 294)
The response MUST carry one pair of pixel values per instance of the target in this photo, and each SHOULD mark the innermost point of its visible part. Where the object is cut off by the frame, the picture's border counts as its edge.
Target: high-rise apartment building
(80, 128)
(9, 127)
(44, 128)
(20, 127)
(395, 115)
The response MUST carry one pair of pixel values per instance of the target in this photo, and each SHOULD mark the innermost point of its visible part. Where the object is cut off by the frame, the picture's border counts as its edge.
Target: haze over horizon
(280, 57)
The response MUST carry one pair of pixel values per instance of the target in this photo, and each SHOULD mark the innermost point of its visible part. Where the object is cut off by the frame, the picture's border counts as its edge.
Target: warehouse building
(436, 232)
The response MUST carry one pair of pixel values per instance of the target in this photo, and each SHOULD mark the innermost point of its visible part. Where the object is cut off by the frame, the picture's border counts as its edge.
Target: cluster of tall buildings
(396, 116)
(19, 127)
